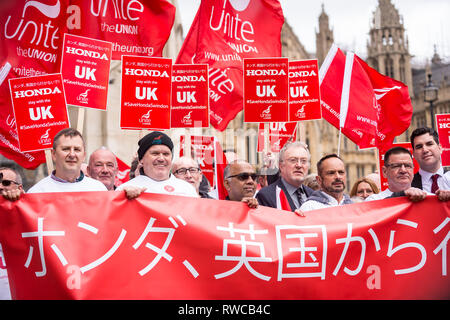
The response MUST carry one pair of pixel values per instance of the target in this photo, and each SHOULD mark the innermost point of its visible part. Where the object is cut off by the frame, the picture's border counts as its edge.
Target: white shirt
(48, 184)
(443, 180)
(379, 196)
(309, 205)
(173, 186)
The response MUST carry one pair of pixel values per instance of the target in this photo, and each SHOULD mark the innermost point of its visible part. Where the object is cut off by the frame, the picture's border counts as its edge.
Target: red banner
(183, 248)
(85, 70)
(266, 90)
(133, 27)
(443, 129)
(190, 96)
(304, 93)
(146, 93)
(39, 109)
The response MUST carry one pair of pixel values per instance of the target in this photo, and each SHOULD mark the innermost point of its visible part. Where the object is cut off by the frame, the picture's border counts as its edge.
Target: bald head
(103, 167)
(240, 180)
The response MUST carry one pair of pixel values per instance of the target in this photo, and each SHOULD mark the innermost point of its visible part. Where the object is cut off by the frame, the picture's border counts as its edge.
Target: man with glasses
(187, 169)
(294, 164)
(398, 169)
(10, 183)
(240, 182)
(427, 151)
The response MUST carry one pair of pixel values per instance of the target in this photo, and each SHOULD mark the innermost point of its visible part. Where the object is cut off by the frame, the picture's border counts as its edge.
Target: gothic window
(391, 41)
(389, 64)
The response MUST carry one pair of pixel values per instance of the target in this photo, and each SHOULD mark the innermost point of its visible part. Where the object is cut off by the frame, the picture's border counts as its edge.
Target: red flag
(373, 108)
(206, 42)
(123, 172)
(30, 45)
(229, 31)
(282, 201)
(220, 162)
(357, 97)
(139, 28)
(394, 105)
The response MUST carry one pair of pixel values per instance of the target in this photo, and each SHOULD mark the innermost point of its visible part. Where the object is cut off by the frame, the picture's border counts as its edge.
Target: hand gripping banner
(103, 246)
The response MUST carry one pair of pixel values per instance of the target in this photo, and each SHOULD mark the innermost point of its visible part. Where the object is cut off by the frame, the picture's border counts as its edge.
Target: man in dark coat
(294, 164)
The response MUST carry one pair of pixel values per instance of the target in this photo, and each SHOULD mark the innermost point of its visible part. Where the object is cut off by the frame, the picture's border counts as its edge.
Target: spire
(386, 15)
(436, 58)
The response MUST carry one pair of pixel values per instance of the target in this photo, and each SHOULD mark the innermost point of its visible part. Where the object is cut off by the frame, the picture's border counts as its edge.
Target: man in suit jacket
(294, 164)
(427, 152)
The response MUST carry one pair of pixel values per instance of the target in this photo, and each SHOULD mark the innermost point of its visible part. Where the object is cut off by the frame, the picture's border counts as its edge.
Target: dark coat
(417, 181)
(267, 195)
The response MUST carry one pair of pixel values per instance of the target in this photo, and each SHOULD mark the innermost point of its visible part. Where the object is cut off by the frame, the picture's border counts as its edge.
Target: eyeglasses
(297, 160)
(396, 166)
(7, 183)
(183, 171)
(243, 176)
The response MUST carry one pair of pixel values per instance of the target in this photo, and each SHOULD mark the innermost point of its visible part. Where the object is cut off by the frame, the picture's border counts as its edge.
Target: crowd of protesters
(156, 171)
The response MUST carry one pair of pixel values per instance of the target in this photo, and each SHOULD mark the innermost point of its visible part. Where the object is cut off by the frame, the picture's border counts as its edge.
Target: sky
(427, 23)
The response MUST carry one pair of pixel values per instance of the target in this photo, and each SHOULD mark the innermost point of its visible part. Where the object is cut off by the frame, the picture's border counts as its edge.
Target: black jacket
(417, 181)
(267, 195)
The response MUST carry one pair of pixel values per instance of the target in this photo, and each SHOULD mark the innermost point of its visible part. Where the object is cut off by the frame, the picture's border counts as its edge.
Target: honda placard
(145, 98)
(443, 129)
(279, 134)
(266, 92)
(304, 93)
(85, 70)
(190, 100)
(39, 109)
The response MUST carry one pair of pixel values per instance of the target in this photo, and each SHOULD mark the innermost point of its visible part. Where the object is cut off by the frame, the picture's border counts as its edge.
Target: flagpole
(266, 137)
(187, 143)
(339, 141)
(80, 120)
(49, 161)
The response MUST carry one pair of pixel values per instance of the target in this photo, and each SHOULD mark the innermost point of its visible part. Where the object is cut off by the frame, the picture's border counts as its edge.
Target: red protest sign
(266, 92)
(203, 150)
(145, 95)
(443, 129)
(279, 134)
(190, 99)
(304, 92)
(381, 152)
(85, 70)
(39, 109)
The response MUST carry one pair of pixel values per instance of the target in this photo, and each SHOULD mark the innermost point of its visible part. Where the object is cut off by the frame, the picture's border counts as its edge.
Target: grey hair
(18, 178)
(293, 145)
